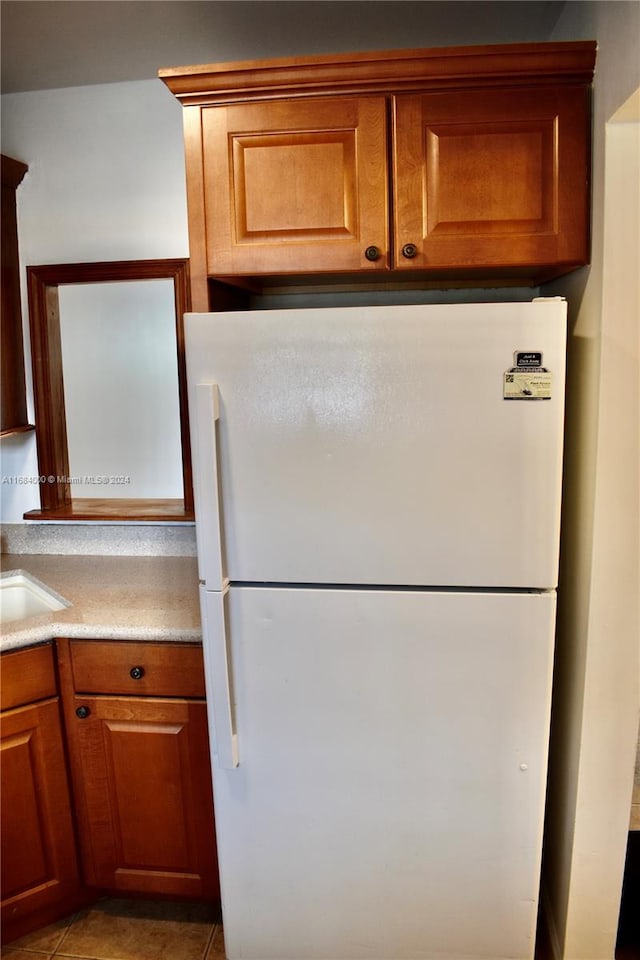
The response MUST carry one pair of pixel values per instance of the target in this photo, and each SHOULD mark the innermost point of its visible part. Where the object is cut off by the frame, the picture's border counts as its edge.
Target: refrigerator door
(389, 798)
(376, 445)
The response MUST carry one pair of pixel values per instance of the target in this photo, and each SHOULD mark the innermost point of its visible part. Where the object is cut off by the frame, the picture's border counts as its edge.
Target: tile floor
(148, 930)
(127, 930)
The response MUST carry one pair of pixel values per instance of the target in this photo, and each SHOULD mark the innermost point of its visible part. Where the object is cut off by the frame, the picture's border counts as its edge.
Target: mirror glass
(120, 375)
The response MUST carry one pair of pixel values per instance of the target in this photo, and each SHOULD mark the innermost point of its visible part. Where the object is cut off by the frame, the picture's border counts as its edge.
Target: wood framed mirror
(109, 378)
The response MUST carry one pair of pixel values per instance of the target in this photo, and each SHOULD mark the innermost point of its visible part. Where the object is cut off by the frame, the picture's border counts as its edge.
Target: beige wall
(595, 720)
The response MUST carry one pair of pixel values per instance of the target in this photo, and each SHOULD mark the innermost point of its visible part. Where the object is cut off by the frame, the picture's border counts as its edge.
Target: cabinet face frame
(46, 358)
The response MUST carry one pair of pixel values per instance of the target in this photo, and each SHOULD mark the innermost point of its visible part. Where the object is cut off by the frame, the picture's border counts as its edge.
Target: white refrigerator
(377, 518)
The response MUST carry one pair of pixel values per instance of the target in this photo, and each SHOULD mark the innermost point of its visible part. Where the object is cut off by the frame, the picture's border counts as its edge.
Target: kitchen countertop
(112, 598)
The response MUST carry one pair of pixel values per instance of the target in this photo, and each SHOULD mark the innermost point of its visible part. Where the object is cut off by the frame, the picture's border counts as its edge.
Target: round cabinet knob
(372, 253)
(136, 673)
(82, 713)
(409, 251)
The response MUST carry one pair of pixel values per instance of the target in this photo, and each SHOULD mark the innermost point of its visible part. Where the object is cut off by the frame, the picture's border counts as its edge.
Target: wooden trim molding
(441, 68)
(46, 358)
(13, 405)
(12, 172)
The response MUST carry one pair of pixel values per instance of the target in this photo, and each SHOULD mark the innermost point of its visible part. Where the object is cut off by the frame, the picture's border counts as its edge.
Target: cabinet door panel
(295, 186)
(156, 751)
(491, 178)
(143, 767)
(38, 848)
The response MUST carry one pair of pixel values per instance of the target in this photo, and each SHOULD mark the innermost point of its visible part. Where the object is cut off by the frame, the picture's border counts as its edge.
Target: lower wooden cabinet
(140, 767)
(118, 797)
(40, 875)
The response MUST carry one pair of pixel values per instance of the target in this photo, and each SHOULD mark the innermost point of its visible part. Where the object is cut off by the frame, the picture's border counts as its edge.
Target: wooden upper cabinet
(295, 186)
(465, 163)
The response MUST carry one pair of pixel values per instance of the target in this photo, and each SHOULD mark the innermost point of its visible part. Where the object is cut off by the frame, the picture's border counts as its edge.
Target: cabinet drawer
(27, 676)
(151, 669)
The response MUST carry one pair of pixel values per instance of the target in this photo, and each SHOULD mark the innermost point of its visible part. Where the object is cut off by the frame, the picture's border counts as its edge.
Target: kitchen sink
(21, 595)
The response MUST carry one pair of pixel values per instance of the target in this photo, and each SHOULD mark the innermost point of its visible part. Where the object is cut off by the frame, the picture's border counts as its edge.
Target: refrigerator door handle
(224, 741)
(209, 527)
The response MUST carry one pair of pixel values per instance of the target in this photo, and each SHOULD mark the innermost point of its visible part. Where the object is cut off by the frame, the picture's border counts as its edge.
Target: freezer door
(376, 445)
(388, 803)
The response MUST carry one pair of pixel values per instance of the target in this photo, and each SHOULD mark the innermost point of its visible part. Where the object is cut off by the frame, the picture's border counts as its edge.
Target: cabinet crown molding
(392, 71)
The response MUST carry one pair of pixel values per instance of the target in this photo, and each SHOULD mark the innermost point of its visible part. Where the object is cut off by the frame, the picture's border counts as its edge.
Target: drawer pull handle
(409, 251)
(82, 713)
(372, 253)
(136, 673)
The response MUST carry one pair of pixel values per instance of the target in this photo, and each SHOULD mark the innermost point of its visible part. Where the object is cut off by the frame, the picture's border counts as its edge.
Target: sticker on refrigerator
(528, 379)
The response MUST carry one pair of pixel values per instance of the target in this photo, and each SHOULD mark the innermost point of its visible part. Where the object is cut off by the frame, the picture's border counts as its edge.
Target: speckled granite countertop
(113, 598)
